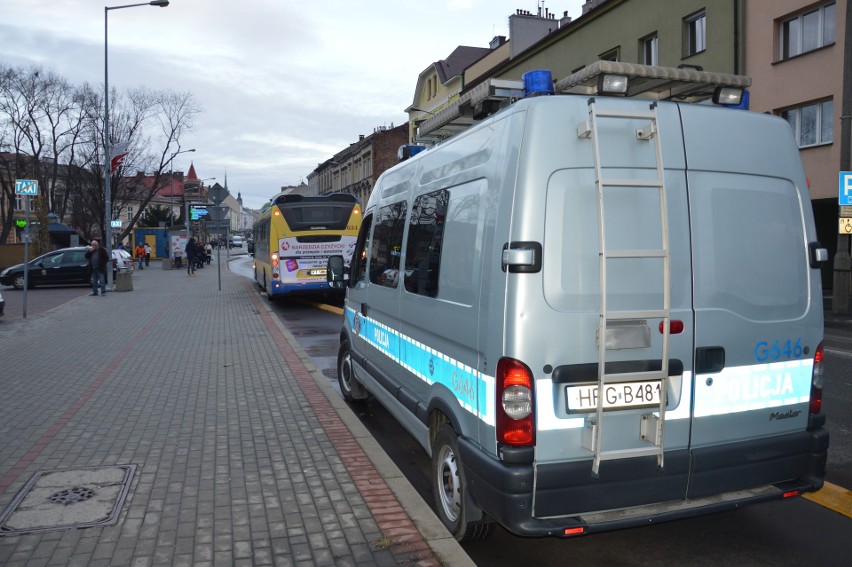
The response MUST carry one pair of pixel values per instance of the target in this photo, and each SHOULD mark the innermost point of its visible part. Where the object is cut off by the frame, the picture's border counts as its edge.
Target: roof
(460, 59)
(191, 176)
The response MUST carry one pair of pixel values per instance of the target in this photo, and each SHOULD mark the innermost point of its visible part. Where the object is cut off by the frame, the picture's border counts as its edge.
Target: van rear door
(757, 302)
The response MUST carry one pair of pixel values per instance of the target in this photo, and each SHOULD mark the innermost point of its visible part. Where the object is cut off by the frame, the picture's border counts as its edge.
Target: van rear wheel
(452, 502)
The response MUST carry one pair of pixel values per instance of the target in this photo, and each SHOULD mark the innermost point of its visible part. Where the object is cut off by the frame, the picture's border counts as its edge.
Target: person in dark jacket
(98, 260)
(191, 255)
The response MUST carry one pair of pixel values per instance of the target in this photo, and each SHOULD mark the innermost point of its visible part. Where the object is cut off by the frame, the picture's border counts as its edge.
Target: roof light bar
(730, 96)
(612, 84)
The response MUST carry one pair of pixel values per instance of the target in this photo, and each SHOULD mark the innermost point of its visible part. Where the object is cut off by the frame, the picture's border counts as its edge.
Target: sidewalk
(178, 424)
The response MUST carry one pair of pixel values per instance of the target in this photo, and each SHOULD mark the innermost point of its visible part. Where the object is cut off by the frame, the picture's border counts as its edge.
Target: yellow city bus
(294, 236)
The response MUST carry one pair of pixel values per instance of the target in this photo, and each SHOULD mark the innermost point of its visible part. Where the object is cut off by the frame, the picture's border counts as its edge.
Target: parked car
(2, 305)
(63, 266)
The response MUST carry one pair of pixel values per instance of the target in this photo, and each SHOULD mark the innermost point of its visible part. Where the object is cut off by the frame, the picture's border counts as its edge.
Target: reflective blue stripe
(473, 390)
(759, 386)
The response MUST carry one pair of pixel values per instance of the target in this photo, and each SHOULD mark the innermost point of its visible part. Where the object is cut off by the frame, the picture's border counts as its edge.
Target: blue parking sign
(845, 188)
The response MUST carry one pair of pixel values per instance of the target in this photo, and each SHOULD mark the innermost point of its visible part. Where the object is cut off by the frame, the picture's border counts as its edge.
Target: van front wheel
(452, 502)
(350, 388)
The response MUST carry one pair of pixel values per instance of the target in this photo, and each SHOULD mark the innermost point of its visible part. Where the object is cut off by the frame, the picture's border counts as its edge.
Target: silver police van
(594, 311)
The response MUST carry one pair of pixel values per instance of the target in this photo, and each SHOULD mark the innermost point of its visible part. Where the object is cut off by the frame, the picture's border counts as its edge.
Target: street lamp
(107, 157)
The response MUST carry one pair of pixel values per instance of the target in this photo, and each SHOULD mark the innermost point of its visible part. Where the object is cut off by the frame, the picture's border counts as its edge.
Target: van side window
(359, 257)
(386, 248)
(425, 235)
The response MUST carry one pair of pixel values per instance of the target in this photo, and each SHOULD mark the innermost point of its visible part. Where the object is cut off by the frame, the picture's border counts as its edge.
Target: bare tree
(41, 120)
(53, 132)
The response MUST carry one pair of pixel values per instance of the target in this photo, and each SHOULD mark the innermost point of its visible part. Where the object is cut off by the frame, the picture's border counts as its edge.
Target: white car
(122, 261)
(237, 241)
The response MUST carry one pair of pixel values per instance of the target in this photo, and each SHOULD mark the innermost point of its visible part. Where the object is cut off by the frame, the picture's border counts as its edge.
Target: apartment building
(356, 168)
(794, 55)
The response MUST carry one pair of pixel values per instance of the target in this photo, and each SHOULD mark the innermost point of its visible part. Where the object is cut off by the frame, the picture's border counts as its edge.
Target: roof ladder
(652, 426)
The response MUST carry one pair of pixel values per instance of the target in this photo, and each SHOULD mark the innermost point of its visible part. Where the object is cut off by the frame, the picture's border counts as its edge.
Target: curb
(423, 540)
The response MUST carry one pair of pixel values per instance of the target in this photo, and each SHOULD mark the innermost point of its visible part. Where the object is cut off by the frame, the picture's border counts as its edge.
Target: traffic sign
(26, 187)
(845, 226)
(845, 188)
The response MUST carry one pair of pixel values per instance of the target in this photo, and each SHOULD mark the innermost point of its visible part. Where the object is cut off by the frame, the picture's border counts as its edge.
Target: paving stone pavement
(244, 453)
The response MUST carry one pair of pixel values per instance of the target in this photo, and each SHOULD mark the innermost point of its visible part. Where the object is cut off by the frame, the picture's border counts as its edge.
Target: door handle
(709, 359)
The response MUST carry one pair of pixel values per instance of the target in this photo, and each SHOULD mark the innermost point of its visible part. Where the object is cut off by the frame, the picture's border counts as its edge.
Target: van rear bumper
(632, 492)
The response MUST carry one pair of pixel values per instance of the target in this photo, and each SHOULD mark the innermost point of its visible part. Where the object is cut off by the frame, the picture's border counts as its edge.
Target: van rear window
(749, 246)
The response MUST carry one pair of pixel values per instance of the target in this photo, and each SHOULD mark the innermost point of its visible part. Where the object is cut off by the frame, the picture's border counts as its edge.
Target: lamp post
(107, 148)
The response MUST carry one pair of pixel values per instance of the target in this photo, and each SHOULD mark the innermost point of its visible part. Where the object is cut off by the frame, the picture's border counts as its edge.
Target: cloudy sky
(284, 84)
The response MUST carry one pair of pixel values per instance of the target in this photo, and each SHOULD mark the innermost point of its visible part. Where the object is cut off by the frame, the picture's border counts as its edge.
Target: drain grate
(63, 499)
(72, 495)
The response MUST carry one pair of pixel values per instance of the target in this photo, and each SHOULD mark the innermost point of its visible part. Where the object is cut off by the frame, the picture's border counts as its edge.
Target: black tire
(267, 289)
(449, 487)
(350, 388)
(18, 282)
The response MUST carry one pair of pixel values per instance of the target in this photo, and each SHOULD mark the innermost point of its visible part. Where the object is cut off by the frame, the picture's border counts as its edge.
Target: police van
(594, 311)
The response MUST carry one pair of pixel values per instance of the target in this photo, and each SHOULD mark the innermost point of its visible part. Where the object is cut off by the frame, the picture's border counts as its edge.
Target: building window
(19, 203)
(130, 213)
(812, 124)
(649, 47)
(611, 55)
(807, 31)
(695, 33)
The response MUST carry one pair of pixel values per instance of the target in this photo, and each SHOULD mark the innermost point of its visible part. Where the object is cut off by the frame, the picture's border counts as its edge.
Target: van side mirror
(334, 273)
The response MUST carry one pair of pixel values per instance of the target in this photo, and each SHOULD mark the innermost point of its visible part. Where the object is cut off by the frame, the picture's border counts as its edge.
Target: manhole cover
(58, 500)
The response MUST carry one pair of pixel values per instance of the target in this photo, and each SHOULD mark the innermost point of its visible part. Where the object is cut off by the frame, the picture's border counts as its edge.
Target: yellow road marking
(833, 497)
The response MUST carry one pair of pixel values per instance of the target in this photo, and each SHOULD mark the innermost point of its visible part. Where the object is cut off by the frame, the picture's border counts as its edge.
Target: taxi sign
(26, 187)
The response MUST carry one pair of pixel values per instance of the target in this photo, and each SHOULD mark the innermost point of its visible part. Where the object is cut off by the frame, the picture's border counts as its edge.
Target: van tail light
(817, 381)
(515, 404)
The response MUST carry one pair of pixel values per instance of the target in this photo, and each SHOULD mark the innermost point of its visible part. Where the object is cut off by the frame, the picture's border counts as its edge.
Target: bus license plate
(617, 395)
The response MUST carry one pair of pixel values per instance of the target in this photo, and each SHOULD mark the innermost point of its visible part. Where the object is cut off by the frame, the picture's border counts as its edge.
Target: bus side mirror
(334, 273)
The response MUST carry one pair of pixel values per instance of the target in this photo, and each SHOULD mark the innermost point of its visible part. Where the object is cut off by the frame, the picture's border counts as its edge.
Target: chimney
(497, 41)
(565, 20)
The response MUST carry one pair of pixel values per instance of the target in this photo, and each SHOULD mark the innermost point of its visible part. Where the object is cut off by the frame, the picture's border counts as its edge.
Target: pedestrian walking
(97, 261)
(147, 254)
(191, 256)
(139, 251)
(208, 251)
